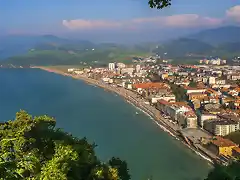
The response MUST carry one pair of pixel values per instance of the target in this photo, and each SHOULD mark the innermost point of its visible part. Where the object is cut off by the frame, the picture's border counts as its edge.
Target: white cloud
(89, 24)
(181, 21)
(234, 13)
(175, 21)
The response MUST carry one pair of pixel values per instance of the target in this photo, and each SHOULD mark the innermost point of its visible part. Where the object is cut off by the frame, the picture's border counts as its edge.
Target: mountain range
(223, 41)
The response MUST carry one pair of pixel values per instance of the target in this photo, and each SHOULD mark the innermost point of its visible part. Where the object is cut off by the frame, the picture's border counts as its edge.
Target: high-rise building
(111, 66)
(138, 68)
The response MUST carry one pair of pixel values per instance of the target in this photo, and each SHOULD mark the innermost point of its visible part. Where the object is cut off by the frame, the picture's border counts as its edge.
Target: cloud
(177, 21)
(90, 24)
(174, 21)
(181, 21)
(234, 13)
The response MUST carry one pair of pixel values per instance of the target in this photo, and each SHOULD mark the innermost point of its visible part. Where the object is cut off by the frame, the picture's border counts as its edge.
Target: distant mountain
(218, 35)
(183, 47)
(19, 44)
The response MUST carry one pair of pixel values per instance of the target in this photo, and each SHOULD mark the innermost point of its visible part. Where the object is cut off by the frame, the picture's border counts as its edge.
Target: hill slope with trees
(32, 148)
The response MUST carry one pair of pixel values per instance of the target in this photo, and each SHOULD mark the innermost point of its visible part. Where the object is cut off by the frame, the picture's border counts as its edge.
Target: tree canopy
(159, 4)
(230, 172)
(32, 148)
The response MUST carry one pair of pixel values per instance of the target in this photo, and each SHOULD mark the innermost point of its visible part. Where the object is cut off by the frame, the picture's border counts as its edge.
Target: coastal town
(197, 104)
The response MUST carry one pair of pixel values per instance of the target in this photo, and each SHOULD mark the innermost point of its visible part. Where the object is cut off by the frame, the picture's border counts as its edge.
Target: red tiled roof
(221, 142)
(150, 85)
(161, 101)
(237, 149)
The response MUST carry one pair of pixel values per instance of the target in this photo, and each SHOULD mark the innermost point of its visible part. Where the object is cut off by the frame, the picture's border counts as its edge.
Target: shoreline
(138, 103)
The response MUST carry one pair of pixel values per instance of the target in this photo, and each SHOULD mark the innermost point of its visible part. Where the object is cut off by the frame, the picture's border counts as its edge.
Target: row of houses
(180, 112)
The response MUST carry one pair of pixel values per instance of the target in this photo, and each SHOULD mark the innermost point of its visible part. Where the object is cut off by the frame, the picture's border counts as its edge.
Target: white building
(220, 81)
(221, 127)
(111, 66)
(211, 80)
(121, 65)
(138, 68)
(206, 117)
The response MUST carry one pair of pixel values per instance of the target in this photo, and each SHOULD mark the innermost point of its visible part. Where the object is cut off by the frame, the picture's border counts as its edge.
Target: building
(220, 81)
(111, 66)
(121, 65)
(221, 146)
(194, 90)
(179, 112)
(235, 77)
(138, 68)
(196, 96)
(150, 85)
(128, 70)
(236, 152)
(206, 117)
(211, 80)
(167, 97)
(220, 127)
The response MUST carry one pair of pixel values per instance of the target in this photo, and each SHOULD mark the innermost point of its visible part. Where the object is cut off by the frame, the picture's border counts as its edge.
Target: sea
(103, 118)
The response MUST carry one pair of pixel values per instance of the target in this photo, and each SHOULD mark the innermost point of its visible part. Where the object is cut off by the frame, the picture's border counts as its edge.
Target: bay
(104, 118)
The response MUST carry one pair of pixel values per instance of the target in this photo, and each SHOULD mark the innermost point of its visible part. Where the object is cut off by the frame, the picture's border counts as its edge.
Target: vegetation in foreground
(234, 136)
(32, 148)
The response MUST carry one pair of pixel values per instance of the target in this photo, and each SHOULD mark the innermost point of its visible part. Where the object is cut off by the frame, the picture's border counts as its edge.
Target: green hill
(65, 56)
(219, 35)
(183, 47)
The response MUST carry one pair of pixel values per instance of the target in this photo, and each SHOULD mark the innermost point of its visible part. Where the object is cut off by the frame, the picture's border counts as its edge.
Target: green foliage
(32, 148)
(179, 92)
(193, 84)
(99, 56)
(230, 172)
(159, 4)
(234, 136)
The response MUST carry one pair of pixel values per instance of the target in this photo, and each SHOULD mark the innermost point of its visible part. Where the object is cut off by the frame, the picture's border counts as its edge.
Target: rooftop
(221, 142)
(237, 149)
(223, 122)
(151, 85)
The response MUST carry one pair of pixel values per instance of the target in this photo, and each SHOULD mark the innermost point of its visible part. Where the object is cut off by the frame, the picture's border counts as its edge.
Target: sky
(115, 19)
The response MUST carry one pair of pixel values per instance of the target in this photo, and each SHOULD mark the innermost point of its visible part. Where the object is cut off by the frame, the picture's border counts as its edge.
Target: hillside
(183, 47)
(227, 34)
(20, 44)
(51, 50)
(71, 57)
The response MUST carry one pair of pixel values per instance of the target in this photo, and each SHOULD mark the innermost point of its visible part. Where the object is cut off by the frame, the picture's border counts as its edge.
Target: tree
(32, 148)
(192, 84)
(230, 172)
(159, 4)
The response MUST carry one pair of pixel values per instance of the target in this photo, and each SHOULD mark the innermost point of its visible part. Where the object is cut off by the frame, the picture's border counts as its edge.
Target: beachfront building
(150, 88)
(179, 112)
(221, 146)
(170, 97)
(221, 127)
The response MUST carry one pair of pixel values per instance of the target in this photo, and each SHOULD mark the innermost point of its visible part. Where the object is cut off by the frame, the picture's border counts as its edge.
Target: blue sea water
(104, 118)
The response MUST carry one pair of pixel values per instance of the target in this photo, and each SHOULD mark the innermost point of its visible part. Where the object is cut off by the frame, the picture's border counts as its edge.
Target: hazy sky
(122, 18)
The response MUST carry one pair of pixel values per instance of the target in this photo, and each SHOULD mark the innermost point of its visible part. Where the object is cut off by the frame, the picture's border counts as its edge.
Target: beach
(138, 102)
